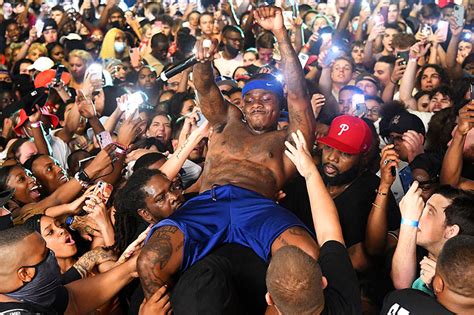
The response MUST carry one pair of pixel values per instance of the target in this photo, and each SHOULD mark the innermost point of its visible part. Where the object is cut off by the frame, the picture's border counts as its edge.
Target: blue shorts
(229, 214)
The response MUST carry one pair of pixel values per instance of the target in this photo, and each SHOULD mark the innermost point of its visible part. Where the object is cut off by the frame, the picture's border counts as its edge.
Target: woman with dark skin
(47, 171)
(95, 261)
(29, 199)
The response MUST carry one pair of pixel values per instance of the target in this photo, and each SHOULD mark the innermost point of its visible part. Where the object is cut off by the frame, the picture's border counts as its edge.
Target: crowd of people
(308, 157)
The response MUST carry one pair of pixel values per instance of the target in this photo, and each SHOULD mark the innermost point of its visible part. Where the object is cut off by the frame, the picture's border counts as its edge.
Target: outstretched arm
(323, 209)
(299, 106)
(210, 99)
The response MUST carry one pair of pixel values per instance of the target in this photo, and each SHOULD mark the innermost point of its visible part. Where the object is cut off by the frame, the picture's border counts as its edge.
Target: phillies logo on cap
(343, 128)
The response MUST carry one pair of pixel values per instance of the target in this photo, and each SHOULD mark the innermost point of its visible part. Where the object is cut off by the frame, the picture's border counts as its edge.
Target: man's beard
(341, 178)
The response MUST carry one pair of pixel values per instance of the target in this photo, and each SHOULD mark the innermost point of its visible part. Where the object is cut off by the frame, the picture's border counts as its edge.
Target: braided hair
(129, 199)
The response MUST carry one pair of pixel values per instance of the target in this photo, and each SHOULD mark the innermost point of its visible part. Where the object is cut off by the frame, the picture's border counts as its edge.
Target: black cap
(38, 96)
(50, 24)
(402, 122)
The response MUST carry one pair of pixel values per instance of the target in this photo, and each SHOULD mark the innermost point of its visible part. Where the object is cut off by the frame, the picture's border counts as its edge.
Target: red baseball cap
(23, 117)
(43, 79)
(348, 134)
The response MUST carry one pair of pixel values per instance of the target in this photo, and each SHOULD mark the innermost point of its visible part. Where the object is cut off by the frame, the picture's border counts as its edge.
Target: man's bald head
(294, 282)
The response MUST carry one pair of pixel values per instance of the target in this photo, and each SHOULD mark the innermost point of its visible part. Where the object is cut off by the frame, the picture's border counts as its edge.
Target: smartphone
(406, 178)
(358, 102)
(379, 19)
(459, 14)
(94, 71)
(104, 138)
(334, 52)
(384, 13)
(59, 72)
(303, 58)
(426, 30)
(82, 163)
(39, 25)
(443, 27)
(103, 190)
(471, 91)
(202, 119)
(403, 55)
(287, 18)
(132, 103)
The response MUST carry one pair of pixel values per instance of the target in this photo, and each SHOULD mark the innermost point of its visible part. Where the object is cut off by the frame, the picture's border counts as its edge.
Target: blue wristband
(410, 222)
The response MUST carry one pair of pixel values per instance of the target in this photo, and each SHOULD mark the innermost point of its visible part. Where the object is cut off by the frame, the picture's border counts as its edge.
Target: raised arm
(404, 265)
(175, 162)
(408, 79)
(299, 107)
(323, 209)
(452, 66)
(376, 232)
(209, 96)
(453, 159)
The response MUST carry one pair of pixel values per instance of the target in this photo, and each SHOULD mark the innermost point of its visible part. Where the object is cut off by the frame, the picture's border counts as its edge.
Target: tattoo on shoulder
(296, 231)
(160, 244)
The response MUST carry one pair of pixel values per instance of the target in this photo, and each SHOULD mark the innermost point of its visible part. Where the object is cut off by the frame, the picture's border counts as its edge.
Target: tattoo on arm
(154, 258)
(180, 150)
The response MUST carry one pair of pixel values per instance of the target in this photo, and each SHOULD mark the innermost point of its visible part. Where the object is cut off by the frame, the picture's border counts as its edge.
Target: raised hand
(157, 304)
(418, 50)
(317, 103)
(389, 159)
(398, 70)
(428, 268)
(134, 247)
(411, 205)
(36, 116)
(300, 155)
(269, 18)
(101, 161)
(466, 118)
(130, 129)
(413, 141)
(206, 49)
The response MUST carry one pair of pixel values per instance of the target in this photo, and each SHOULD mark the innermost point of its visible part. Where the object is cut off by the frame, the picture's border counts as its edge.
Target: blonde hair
(108, 48)
(40, 47)
(85, 56)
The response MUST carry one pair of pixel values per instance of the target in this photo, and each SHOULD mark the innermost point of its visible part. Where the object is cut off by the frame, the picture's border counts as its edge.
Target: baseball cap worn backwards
(348, 134)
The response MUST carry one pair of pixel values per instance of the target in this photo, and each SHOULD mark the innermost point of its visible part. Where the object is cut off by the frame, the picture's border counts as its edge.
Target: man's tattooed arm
(160, 258)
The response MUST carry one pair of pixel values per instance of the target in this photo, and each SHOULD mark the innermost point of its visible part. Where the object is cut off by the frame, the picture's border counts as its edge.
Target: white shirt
(227, 67)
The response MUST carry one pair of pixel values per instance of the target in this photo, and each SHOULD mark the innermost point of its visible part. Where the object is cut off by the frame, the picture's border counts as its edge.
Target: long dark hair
(129, 199)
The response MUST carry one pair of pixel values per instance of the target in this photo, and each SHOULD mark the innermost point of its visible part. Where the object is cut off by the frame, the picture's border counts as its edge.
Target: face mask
(232, 50)
(355, 25)
(41, 289)
(119, 47)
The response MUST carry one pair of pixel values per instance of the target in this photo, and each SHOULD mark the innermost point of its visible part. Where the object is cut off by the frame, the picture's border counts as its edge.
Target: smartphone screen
(403, 55)
(103, 190)
(459, 14)
(443, 30)
(406, 178)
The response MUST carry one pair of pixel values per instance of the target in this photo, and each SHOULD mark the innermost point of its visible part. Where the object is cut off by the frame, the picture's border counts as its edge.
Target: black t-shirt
(342, 295)
(59, 305)
(412, 302)
(353, 206)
